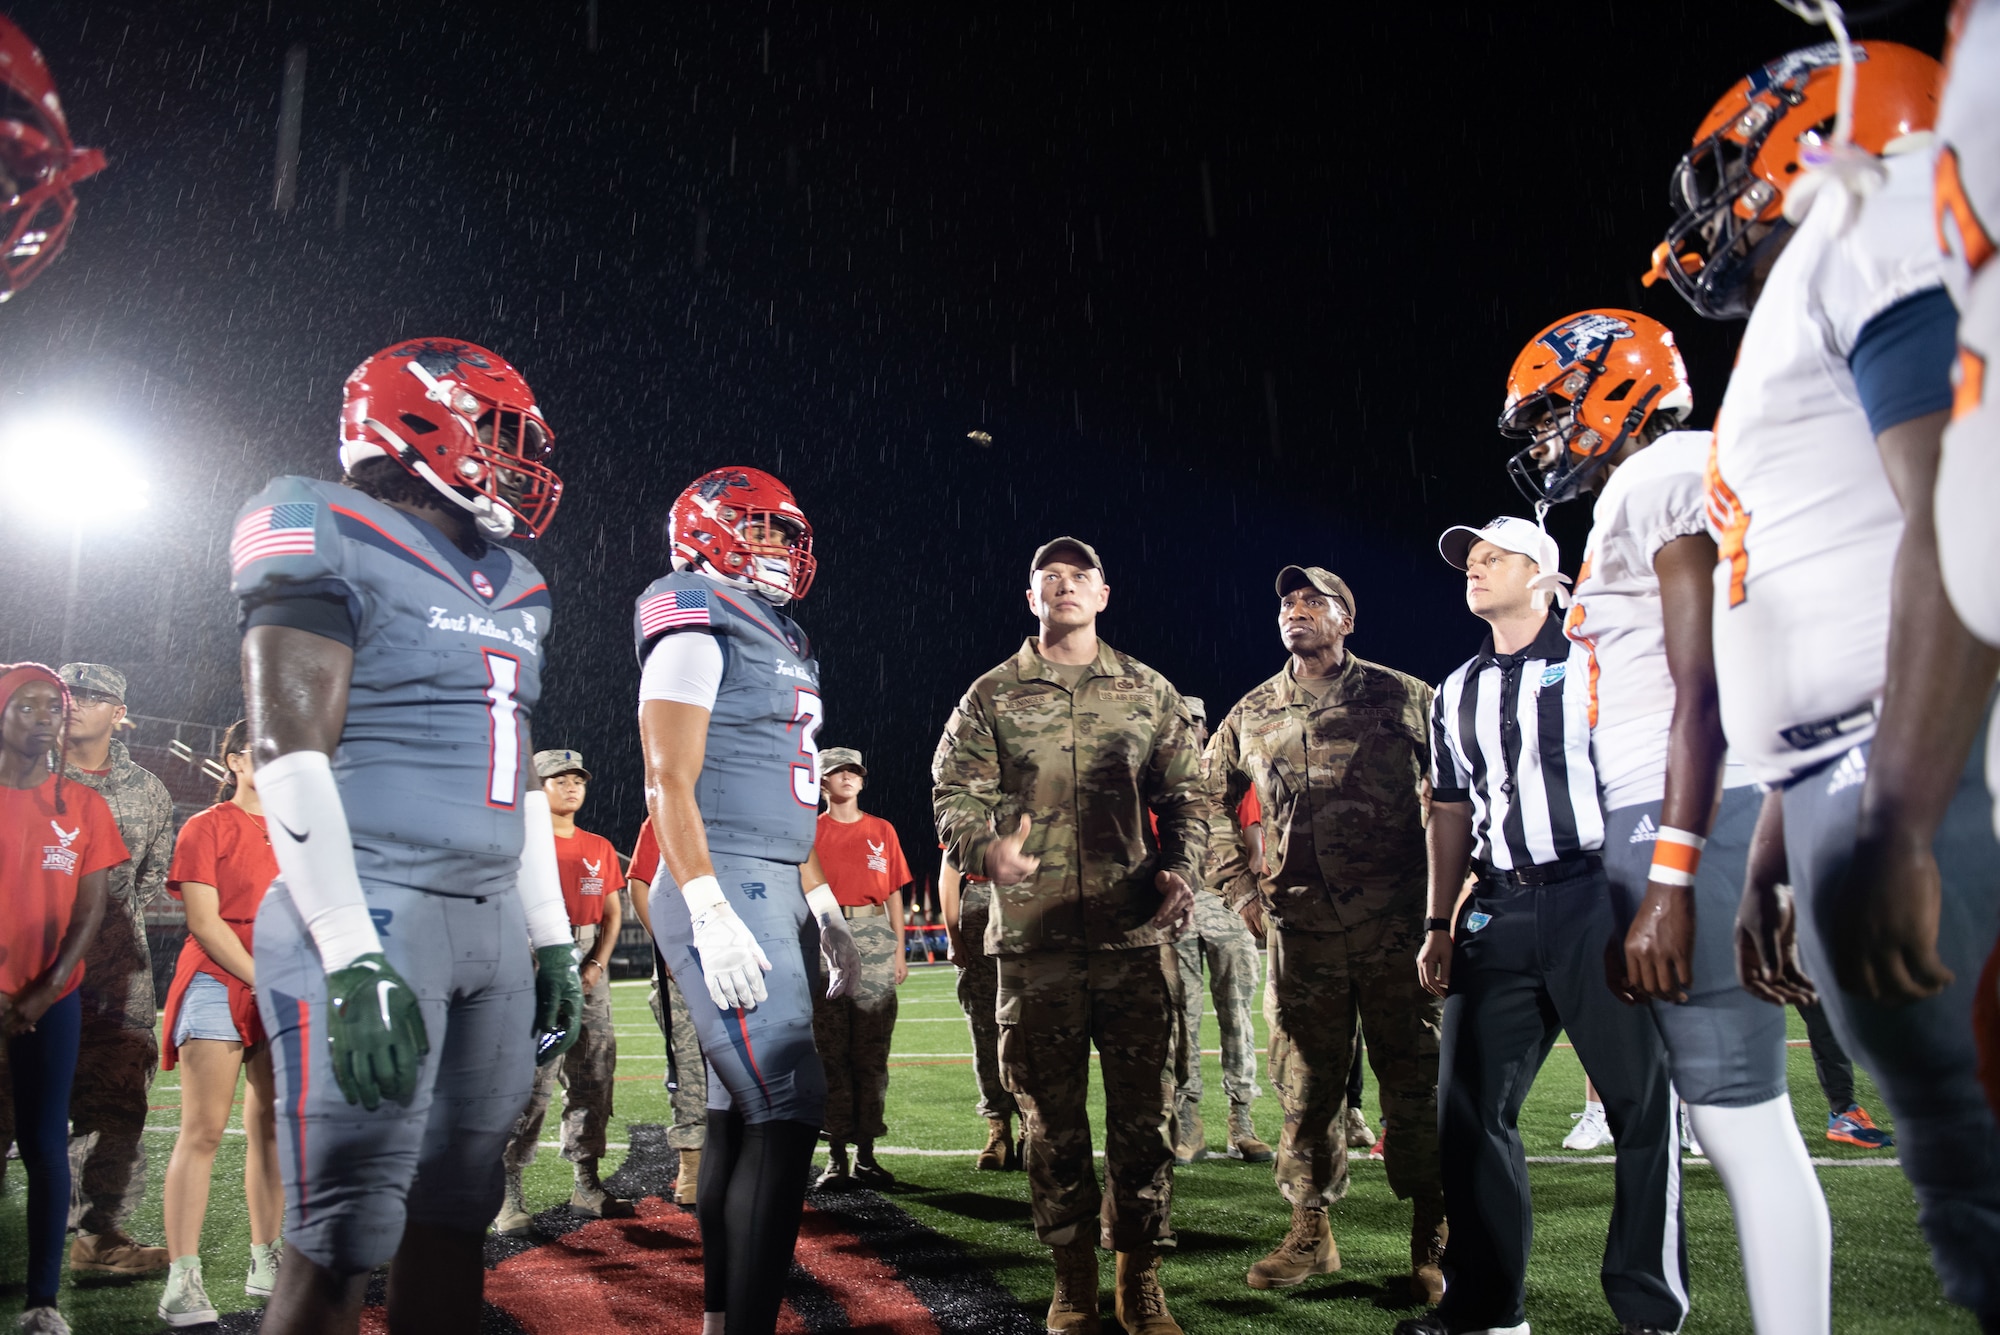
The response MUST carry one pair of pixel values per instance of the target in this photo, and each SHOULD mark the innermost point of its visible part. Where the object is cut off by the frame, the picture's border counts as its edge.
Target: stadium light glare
(64, 471)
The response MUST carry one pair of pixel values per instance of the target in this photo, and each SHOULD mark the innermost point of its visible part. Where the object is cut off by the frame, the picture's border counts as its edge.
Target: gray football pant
(1922, 1055)
(1725, 1047)
(761, 1061)
(354, 1177)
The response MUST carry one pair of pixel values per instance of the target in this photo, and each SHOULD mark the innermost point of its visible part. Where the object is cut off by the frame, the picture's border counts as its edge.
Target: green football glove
(558, 1002)
(375, 1031)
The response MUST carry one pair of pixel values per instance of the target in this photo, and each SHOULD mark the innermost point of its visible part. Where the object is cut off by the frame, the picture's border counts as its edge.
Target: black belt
(1544, 873)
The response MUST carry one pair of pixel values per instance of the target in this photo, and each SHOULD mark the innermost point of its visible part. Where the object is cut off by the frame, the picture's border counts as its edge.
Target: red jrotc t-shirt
(228, 848)
(862, 860)
(645, 856)
(44, 853)
(589, 867)
(1249, 811)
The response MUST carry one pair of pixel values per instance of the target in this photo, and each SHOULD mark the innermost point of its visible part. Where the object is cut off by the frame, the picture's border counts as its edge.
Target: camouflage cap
(834, 758)
(95, 678)
(548, 764)
(1055, 548)
(1196, 707)
(1328, 583)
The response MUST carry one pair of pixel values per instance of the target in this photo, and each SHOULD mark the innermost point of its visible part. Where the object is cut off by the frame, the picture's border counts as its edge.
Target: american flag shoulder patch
(272, 530)
(673, 609)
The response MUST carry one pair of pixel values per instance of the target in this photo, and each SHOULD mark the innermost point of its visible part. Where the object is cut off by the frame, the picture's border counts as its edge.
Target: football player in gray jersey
(391, 663)
(729, 718)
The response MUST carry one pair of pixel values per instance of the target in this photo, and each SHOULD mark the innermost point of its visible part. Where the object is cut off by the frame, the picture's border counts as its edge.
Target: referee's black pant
(1529, 962)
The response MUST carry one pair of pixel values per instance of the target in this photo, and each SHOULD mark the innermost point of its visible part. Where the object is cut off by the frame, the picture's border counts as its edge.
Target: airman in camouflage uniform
(1216, 934)
(687, 1077)
(1337, 748)
(119, 1048)
(1043, 781)
(967, 902)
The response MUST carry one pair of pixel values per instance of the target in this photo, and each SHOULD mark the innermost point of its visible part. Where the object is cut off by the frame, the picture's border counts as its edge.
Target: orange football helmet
(1580, 390)
(1756, 142)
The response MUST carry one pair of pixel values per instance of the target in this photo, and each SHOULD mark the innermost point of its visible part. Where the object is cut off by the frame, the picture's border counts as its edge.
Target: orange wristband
(1676, 856)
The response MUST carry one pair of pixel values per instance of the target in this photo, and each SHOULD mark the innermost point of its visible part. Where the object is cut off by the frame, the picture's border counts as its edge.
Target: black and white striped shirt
(1510, 733)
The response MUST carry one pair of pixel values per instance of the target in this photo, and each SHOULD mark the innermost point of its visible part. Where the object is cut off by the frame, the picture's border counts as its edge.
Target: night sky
(1229, 285)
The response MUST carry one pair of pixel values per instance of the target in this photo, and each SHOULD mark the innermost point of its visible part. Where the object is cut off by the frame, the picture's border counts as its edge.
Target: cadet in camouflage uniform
(120, 1046)
(686, 1079)
(966, 903)
(863, 862)
(1043, 779)
(1219, 936)
(587, 866)
(1337, 749)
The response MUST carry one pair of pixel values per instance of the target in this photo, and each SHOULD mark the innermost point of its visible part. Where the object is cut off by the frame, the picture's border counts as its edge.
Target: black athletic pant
(1528, 963)
(1830, 1060)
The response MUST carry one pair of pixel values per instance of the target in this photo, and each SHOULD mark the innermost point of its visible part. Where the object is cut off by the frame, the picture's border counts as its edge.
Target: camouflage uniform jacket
(1084, 767)
(144, 811)
(1340, 781)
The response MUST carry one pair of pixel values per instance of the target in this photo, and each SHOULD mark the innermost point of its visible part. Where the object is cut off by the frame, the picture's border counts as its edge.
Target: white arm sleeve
(541, 883)
(315, 855)
(686, 668)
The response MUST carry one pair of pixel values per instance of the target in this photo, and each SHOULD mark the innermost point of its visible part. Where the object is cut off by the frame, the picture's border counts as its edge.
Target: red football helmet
(463, 420)
(742, 524)
(1586, 385)
(1753, 146)
(38, 163)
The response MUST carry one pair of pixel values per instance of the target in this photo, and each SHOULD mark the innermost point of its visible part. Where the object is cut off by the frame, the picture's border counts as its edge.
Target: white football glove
(836, 944)
(732, 963)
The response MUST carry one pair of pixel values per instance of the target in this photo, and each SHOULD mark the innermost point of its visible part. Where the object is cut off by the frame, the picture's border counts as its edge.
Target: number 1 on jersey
(807, 710)
(503, 765)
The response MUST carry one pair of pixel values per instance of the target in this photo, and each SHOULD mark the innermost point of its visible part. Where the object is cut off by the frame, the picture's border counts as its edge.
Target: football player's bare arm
(836, 938)
(1659, 947)
(1767, 958)
(1939, 679)
(642, 896)
(673, 737)
(948, 881)
(294, 690)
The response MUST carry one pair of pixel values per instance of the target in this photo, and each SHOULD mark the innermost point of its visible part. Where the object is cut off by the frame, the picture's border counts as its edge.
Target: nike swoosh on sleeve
(296, 836)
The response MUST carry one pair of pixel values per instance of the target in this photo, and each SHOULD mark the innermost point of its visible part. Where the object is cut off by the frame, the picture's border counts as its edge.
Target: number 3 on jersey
(807, 714)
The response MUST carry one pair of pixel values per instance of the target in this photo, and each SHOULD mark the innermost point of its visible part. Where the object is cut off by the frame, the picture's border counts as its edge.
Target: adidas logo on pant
(1645, 832)
(1851, 772)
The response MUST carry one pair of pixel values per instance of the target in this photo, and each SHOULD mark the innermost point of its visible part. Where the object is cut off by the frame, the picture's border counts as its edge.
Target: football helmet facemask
(462, 419)
(39, 165)
(743, 526)
(1581, 390)
(1758, 141)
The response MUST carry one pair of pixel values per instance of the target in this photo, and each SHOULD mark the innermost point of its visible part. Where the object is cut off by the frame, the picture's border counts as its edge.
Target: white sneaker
(263, 1276)
(45, 1321)
(185, 1303)
(1590, 1132)
(1688, 1141)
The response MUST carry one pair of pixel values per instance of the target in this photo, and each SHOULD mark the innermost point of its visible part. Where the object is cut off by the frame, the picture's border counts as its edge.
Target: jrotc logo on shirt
(60, 856)
(878, 855)
(591, 883)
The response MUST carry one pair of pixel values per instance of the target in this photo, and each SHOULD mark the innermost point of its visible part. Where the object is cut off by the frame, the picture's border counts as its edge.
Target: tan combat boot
(115, 1254)
(1428, 1234)
(588, 1196)
(1139, 1301)
(1073, 1307)
(1190, 1136)
(999, 1147)
(690, 1174)
(1243, 1142)
(513, 1221)
(1308, 1250)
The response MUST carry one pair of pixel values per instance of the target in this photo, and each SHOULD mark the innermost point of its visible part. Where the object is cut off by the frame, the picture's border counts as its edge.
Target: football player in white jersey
(1968, 492)
(1847, 684)
(1598, 396)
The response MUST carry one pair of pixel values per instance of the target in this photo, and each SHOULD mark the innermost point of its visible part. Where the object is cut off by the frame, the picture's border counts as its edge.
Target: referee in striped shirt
(1514, 797)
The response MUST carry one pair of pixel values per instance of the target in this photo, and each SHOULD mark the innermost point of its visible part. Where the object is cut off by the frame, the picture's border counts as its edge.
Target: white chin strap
(1859, 172)
(494, 521)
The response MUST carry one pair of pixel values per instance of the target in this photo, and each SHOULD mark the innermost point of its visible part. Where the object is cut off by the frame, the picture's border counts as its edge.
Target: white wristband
(701, 894)
(315, 854)
(822, 903)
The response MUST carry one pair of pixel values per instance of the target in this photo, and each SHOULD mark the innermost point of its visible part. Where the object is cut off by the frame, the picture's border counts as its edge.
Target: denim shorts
(205, 1012)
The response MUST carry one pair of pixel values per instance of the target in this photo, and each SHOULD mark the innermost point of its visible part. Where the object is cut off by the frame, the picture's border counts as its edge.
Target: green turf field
(1227, 1213)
